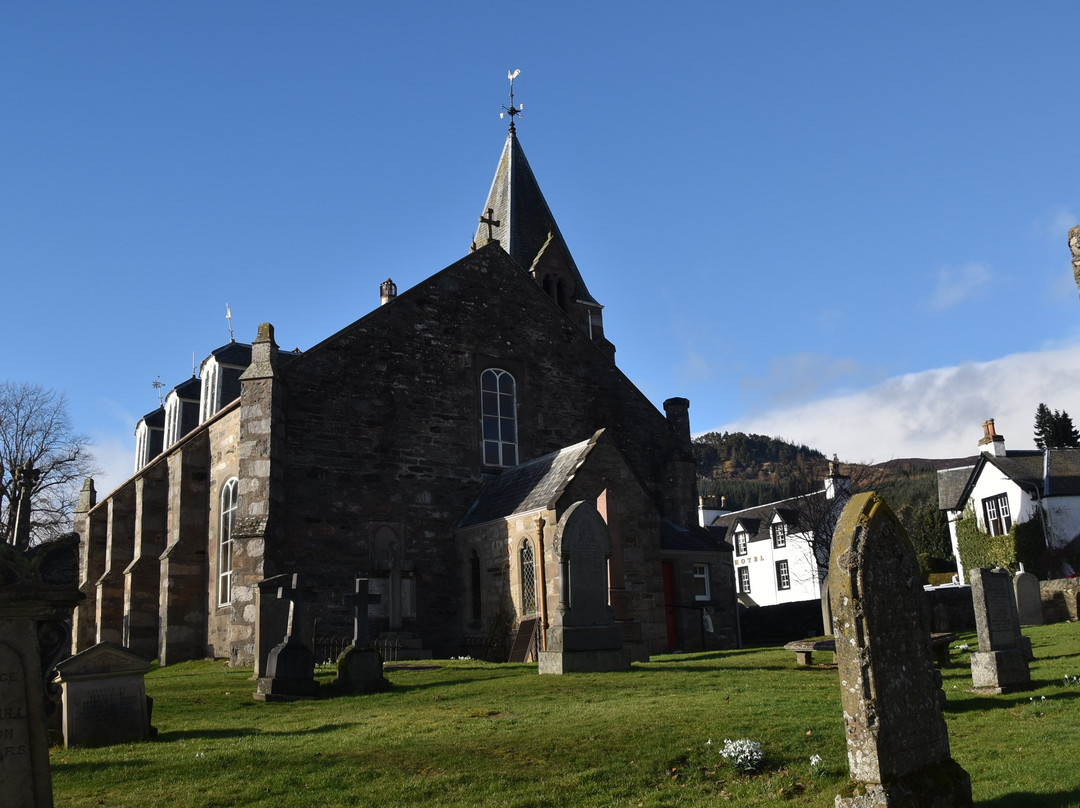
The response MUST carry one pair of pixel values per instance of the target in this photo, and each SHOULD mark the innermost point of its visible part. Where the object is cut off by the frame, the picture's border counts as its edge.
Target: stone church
(435, 446)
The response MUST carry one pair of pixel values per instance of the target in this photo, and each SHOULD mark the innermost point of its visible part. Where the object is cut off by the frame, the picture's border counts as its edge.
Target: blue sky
(841, 223)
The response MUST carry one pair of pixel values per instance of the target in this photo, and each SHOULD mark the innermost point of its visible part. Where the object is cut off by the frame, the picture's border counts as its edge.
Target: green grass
(462, 733)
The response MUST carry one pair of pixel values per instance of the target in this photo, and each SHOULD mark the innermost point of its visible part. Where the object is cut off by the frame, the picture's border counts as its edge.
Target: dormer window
(741, 541)
(778, 531)
(172, 418)
(210, 397)
(498, 419)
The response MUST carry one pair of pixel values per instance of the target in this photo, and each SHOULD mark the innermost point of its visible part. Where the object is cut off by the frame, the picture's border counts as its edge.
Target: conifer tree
(1054, 429)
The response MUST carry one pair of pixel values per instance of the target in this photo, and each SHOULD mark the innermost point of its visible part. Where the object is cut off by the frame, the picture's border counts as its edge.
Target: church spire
(517, 216)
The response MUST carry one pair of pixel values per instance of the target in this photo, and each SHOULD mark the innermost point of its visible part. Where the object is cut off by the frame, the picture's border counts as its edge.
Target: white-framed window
(210, 395)
(744, 580)
(701, 582)
(225, 541)
(528, 578)
(783, 575)
(172, 418)
(498, 418)
(741, 542)
(997, 515)
(778, 531)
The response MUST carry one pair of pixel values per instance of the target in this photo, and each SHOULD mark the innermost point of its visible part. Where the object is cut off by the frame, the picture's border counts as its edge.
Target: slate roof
(1053, 473)
(1064, 466)
(189, 390)
(526, 227)
(533, 486)
(155, 418)
(691, 539)
(235, 353)
(950, 487)
(753, 518)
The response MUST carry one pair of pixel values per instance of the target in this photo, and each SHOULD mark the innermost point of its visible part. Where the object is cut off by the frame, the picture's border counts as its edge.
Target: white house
(1007, 488)
(774, 544)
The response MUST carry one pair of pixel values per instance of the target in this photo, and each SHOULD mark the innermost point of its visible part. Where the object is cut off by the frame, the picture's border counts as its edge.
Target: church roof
(526, 229)
(533, 486)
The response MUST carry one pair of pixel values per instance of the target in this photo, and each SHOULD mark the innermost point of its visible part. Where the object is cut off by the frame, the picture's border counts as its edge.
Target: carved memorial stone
(359, 667)
(105, 699)
(583, 636)
(1001, 663)
(1028, 599)
(290, 665)
(38, 591)
(897, 741)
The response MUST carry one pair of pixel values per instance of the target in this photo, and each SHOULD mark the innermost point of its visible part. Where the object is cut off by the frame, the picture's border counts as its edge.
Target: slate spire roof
(526, 230)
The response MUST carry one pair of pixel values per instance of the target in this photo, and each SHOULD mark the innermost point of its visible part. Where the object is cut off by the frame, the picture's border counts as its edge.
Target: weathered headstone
(1028, 598)
(290, 665)
(1001, 663)
(105, 699)
(826, 608)
(897, 741)
(360, 667)
(583, 636)
(38, 591)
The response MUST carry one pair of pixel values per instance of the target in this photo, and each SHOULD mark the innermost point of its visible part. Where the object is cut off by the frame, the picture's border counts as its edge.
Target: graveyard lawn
(464, 733)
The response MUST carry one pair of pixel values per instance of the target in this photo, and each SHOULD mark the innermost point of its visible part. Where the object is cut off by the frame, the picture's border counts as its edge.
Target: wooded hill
(750, 470)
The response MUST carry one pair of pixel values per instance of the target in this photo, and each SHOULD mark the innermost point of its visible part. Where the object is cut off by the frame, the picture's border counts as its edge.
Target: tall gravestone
(1001, 663)
(359, 667)
(38, 592)
(583, 636)
(1028, 598)
(290, 665)
(897, 741)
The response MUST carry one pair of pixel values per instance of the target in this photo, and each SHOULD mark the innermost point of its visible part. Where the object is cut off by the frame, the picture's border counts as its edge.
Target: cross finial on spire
(511, 110)
(490, 221)
(157, 384)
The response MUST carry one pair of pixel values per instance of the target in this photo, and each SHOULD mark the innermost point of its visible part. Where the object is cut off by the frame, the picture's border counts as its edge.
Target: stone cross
(897, 741)
(360, 601)
(294, 592)
(490, 221)
(26, 478)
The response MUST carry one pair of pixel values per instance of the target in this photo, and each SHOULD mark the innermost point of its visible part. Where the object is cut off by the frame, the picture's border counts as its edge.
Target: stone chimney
(836, 484)
(387, 291)
(992, 442)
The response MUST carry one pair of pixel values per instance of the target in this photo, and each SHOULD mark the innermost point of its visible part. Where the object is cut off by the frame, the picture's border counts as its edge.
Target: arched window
(225, 542)
(498, 403)
(528, 578)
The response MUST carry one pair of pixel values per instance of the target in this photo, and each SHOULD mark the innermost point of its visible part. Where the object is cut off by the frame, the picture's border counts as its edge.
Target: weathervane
(511, 110)
(158, 384)
(228, 316)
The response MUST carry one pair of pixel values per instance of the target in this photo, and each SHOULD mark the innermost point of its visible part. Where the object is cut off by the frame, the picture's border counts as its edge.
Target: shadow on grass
(95, 766)
(974, 703)
(1025, 799)
(245, 732)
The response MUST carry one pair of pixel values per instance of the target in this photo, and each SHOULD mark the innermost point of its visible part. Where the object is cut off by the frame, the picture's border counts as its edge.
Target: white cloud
(935, 413)
(957, 284)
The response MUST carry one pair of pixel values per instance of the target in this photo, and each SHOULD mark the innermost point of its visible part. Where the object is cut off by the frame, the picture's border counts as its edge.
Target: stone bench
(804, 649)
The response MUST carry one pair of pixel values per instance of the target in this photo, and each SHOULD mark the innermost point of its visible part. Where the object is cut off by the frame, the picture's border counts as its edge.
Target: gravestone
(1028, 598)
(105, 699)
(359, 667)
(897, 741)
(290, 665)
(583, 636)
(38, 591)
(826, 608)
(1001, 663)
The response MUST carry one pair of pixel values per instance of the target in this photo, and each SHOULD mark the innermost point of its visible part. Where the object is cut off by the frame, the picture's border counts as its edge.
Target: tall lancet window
(528, 578)
(498, 403)
(225, 542)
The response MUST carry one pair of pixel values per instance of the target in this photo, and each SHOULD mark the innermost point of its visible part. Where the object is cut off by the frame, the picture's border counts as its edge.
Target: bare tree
(40, 450)
(816, 512)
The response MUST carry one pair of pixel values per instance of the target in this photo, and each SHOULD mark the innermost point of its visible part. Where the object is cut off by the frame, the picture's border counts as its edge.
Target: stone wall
(1059, 599)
